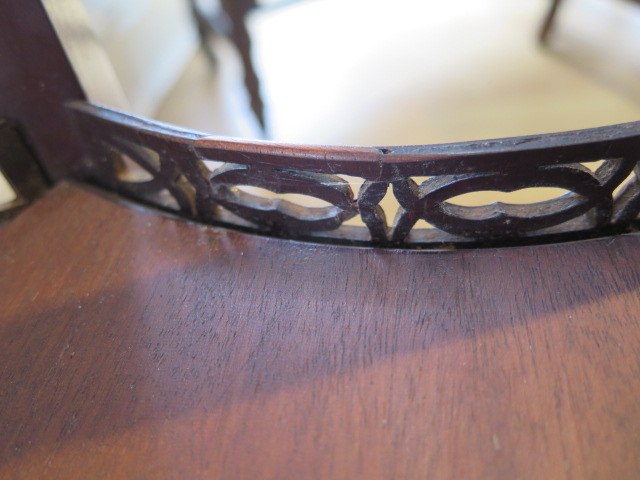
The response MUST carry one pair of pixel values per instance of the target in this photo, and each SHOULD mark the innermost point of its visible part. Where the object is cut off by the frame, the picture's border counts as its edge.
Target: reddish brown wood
(37, 90)
(20, 170)
(138, 346)
(176, 177)
(35, 81)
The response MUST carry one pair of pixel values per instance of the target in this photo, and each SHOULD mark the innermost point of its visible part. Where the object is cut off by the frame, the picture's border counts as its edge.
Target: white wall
(149, 43)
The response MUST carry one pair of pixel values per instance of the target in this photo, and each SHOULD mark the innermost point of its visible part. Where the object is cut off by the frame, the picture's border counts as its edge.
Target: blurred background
(376, 72)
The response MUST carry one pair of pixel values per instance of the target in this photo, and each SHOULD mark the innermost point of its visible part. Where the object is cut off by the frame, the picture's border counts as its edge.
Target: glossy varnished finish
(176, 177)
(138, 346)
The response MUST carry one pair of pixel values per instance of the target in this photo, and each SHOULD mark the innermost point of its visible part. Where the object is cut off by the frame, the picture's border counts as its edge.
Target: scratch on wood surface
(496, 443)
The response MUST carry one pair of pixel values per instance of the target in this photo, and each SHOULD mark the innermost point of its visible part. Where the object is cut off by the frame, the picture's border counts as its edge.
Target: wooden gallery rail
(171, 168)
(136, 346)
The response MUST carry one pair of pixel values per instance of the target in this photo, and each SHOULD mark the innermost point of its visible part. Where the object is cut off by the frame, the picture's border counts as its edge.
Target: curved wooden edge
(173, 173)
(389, 155)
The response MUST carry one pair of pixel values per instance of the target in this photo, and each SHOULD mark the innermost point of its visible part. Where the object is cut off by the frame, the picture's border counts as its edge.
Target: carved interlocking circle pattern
(168, 167)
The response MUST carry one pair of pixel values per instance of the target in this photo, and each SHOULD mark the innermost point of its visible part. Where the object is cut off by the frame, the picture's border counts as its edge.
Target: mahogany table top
(134, 345)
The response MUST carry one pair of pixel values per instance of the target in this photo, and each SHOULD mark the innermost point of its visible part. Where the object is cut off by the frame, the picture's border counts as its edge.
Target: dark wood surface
(20, 170)
(175, 176)
(36, 80)
(139, 346)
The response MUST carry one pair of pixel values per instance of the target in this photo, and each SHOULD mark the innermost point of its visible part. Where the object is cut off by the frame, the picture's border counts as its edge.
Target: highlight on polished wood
(201, 177)
(140, 346)
(244, 336)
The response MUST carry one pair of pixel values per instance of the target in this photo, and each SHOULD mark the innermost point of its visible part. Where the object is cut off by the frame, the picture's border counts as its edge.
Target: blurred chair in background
(550, 18)
(230, 22)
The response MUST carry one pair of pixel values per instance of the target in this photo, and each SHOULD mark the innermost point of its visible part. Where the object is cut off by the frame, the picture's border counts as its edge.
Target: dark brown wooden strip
(20, 169)
(35, 83)
(166, 167)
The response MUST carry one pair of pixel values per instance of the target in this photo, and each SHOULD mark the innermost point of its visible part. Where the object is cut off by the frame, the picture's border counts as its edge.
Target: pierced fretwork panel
(590, 192)
(252, 184)
(278, 215)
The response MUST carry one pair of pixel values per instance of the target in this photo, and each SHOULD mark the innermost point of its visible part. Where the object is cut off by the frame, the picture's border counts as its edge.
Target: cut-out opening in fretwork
(166, 200)
(226, 216)
(421, 224)
(137, 158)
(294, 198)
(420, 180)
(391, 206)
(212, 165)
(128, 170)
(620, 188)
(151, 157)
(7, 193)
(523, 196)
(593, 166)
(188, 193)
(354, 222)
(354, 182)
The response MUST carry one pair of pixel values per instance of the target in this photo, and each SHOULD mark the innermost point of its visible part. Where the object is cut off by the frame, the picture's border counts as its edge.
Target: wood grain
(138, 346)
